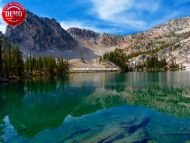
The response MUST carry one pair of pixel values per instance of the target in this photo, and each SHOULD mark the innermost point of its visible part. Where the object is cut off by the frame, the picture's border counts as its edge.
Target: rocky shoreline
(4, 80)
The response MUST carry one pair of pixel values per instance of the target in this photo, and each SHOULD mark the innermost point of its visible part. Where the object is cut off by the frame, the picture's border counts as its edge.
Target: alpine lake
(136, 107)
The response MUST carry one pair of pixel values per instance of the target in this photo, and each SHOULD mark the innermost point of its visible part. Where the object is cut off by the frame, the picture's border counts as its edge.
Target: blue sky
(111, 16)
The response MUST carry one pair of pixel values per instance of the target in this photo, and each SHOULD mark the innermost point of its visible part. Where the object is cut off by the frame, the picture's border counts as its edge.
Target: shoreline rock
(3, 80)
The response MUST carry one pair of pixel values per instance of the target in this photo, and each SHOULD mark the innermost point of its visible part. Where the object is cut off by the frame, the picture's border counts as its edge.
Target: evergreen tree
(118, 57)
(19, 64)
(62, 66)
(40, 61)
(100, 59)
(12, 63)
(1, 60)
(9, 66)
(27, 65)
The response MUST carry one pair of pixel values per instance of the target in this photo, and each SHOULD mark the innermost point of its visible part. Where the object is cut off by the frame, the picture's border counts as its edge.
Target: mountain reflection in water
(97, 107)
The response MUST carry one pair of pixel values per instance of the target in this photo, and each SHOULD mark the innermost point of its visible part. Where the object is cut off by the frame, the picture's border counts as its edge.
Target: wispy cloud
(85, 25)
(2, 23)
(112, 16)
(125, 12)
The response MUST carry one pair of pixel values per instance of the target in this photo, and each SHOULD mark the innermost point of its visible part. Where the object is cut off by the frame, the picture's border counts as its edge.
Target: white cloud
(105, 9)
(3, 25)
(124, 12)
(84, 25)
(68, 24)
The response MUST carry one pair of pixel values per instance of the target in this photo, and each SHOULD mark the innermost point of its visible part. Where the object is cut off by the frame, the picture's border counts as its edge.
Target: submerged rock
(79, 132)
(139, 136)
(113, 138)
(131, 130)
(133, 124)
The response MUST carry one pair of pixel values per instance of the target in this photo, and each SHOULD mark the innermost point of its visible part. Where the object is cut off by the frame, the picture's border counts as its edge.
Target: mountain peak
(78, 33)
(40, 34)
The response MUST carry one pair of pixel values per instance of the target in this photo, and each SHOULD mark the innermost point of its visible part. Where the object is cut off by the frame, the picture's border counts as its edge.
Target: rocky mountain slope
(170, 41)
(98, 43)
(40, 34)
(45, 36)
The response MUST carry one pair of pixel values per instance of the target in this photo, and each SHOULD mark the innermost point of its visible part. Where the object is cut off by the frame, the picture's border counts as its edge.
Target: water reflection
(33, 107)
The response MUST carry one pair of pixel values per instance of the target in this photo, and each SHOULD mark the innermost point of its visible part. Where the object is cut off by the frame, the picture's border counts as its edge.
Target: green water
(98, 107)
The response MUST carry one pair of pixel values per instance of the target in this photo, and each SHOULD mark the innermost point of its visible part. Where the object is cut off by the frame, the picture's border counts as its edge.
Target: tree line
(12, 64)
(118, 57)
(153, 63)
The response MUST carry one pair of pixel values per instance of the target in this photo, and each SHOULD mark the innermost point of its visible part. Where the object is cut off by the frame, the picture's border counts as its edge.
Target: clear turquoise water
(98, 108)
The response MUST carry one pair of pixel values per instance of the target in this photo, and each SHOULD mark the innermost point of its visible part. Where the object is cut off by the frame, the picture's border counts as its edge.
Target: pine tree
(1, 60)
(30, 64)
(100, 59)
(9, 66)
(19, 62)
(27, 64)
(40, 64)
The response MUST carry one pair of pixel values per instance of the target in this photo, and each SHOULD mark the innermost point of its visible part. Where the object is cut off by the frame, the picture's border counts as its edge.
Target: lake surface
(98, 108)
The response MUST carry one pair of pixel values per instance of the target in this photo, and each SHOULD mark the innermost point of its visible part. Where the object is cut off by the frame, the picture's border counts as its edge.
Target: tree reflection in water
(34, 106)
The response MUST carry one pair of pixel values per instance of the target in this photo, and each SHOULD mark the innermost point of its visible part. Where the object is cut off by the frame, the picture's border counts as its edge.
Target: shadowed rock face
(40, 34)
(78, 33)
(92, 39)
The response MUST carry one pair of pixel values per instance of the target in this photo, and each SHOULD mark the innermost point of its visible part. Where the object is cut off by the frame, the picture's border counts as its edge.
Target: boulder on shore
(3, 80)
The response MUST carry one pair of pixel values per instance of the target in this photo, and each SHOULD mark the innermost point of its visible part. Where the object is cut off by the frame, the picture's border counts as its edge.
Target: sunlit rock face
(169, 40)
